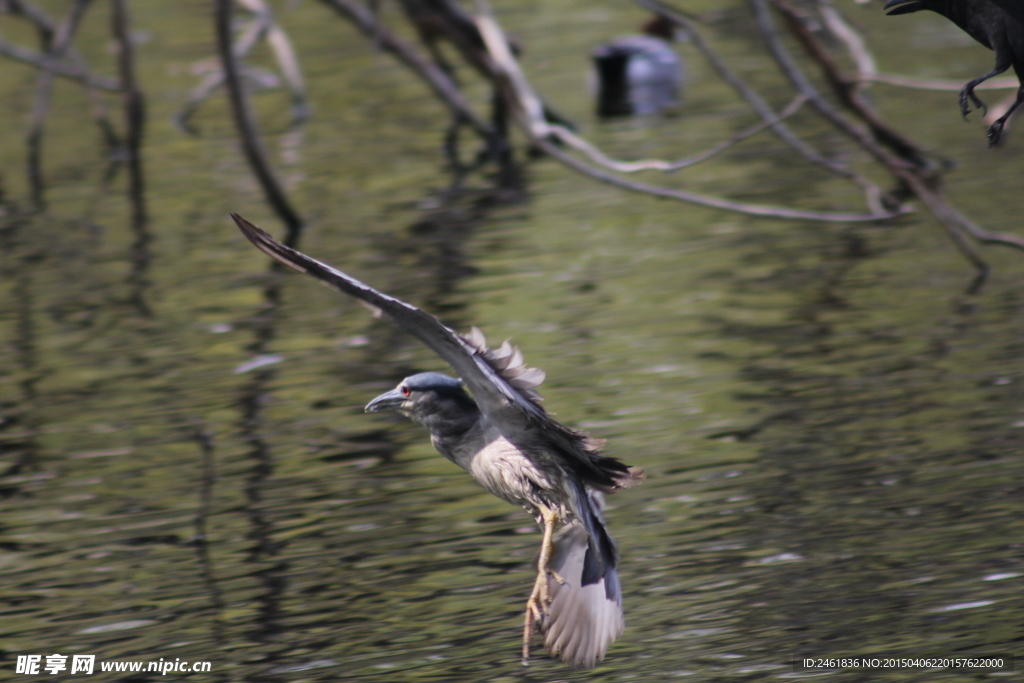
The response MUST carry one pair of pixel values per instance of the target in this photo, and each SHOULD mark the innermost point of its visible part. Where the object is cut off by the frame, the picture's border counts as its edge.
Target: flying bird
(996, 24)
(500, 434)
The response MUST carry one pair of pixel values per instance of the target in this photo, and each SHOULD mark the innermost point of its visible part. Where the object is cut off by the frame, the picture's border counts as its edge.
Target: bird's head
(660, 27)
(429, 398)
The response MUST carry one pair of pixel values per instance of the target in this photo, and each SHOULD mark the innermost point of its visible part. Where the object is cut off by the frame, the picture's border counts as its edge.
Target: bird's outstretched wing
(497, 378)
(492, 392)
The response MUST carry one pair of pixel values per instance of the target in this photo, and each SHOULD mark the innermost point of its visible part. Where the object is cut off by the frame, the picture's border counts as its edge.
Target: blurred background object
(639, 75)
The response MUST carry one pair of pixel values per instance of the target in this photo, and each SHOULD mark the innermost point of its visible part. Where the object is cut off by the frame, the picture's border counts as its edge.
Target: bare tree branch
(60, 68)
(844, 88)
(47, 28)
(59, 44)
(873, 194)
(916, 176)
(40, 19)
(263, 25)
(704, 200)
(529, 114)
(598, 157)
(941, 84)
(247, 129)
(854, 42)
(440, 82)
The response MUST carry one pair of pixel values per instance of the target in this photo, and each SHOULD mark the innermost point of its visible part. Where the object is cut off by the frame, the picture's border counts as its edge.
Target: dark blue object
(639, 75)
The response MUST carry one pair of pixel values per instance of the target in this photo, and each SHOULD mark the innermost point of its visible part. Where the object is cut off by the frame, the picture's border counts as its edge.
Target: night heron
(998, 29)
(510, 445)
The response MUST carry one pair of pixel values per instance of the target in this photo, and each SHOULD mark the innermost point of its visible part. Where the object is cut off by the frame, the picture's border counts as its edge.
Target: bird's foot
(534, 616)
(538, 607)
(967, 97)
(995, 133)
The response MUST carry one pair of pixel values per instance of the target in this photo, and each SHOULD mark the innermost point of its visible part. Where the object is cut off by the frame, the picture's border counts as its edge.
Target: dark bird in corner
(1015, 8)
(639, 75)
(512, 447)
(1000, 30)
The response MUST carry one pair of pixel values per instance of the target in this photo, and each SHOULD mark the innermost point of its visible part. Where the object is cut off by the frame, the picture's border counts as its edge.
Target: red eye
(405, 391)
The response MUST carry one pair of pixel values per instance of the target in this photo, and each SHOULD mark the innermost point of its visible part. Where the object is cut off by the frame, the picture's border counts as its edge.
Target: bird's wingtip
(247, 228)
(263, 241)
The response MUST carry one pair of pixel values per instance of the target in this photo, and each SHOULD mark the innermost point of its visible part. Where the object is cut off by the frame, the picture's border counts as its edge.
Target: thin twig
(598, 157)
(943, 85)
(844, 88)
(40, 19)
(263, 25)
(247, 129)
(74, 72)
(242, 47)
(288, 62)
(848, 36)
(704, 200)
(58, 45)
(439, 81)
(47, 28)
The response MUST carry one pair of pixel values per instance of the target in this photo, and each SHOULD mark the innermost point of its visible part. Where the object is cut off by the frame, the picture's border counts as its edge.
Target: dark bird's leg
(995, 131)
(540, 599)
(967, 92)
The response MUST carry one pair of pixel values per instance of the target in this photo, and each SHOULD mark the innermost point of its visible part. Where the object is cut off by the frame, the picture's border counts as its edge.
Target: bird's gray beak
(392, 400)
(907, 7)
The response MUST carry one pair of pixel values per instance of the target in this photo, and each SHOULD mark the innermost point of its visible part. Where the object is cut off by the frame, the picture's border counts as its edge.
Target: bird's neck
(451, 434)
(450, 421)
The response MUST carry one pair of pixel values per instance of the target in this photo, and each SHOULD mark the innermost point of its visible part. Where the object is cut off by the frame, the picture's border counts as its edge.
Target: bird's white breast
(502, 469)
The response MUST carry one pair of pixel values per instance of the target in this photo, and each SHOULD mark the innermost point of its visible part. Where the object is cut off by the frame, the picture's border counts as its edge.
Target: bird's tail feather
(586, 610)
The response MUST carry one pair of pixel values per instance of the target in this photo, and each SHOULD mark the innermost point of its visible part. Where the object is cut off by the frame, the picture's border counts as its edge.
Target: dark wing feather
(498, 379)
(490, 390)
(579, 451)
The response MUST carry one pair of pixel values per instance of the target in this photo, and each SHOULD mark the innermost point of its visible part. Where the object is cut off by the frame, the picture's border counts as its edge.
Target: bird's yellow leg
(540, 598)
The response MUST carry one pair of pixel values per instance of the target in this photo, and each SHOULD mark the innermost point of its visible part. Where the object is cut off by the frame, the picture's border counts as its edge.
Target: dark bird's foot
(967, 96)
(995, 133)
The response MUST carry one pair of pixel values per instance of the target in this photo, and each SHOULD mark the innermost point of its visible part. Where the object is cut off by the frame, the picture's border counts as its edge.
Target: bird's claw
(537, 607)
(536, 610)
(995, 132)
(967, 97)
(533, 616)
